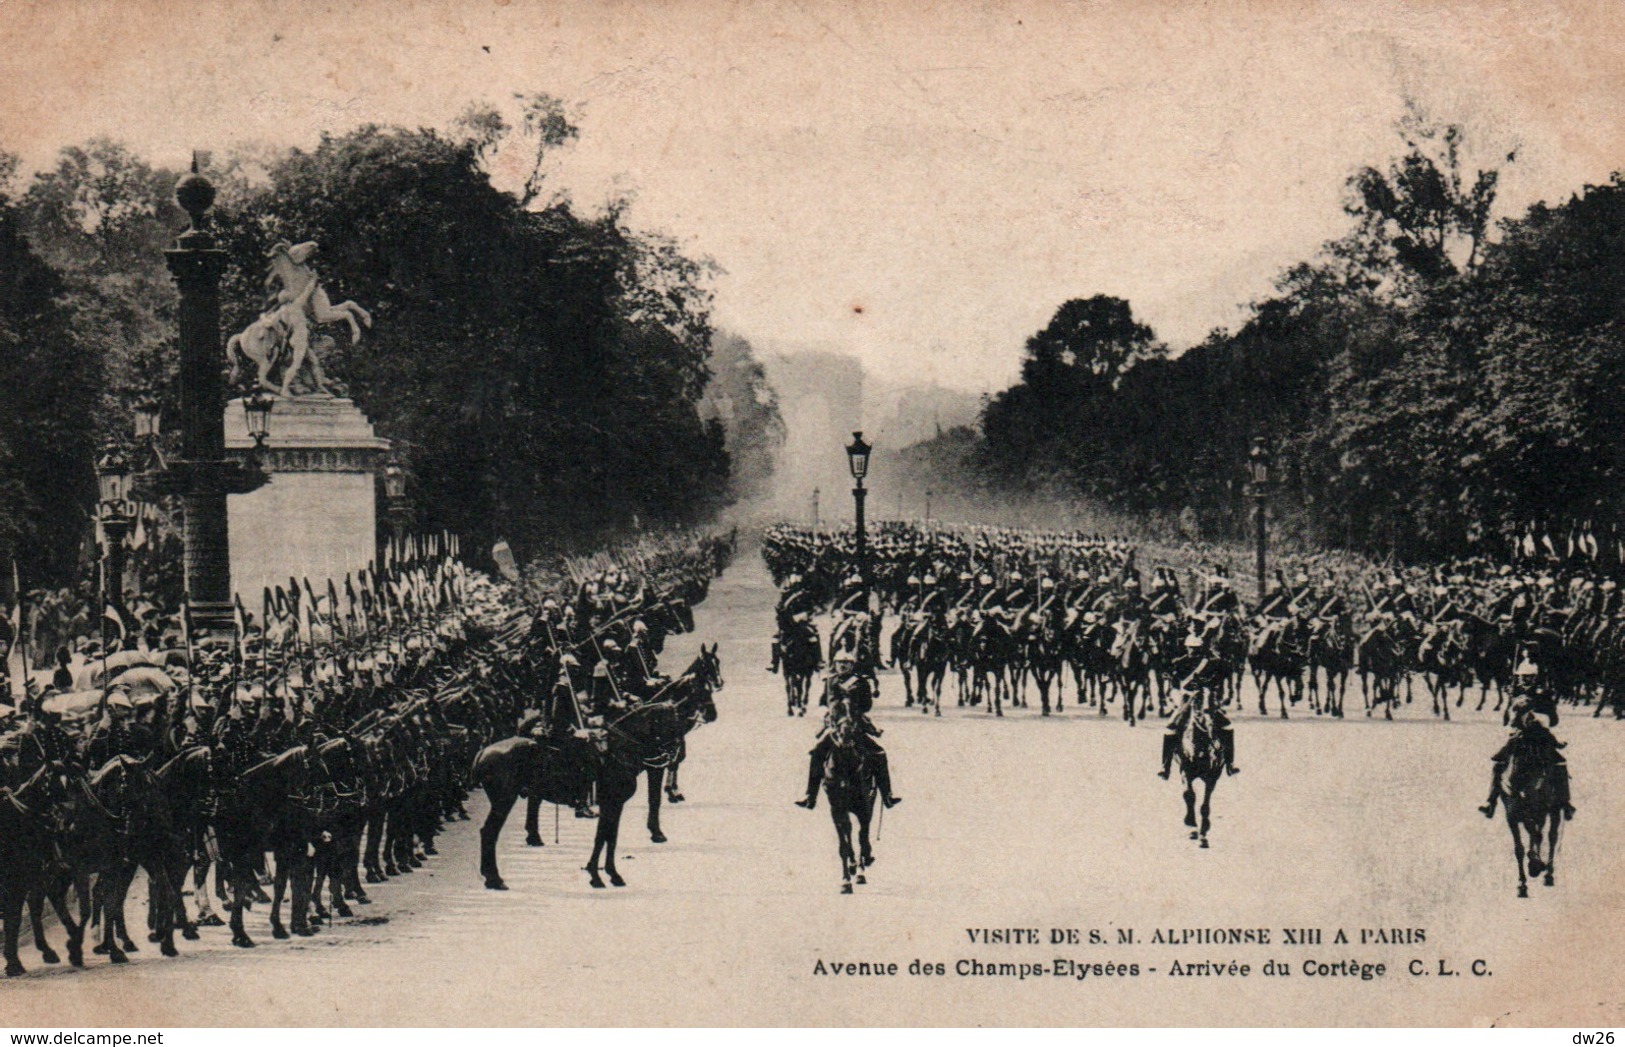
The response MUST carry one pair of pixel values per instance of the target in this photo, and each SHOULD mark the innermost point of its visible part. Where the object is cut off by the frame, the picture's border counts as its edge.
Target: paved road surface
(1020, 822)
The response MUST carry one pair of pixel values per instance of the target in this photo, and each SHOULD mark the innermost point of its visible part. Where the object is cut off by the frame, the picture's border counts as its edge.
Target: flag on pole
(112, 623)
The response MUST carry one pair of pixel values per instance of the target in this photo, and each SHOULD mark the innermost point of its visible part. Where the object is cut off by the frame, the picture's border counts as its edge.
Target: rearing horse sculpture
(283, 332)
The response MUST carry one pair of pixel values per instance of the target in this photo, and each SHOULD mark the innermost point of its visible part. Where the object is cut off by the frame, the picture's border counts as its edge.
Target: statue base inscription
(318, 517)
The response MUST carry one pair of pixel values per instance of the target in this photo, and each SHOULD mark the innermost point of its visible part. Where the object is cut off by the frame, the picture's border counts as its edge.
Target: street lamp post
(117, 518)
(857, 457)
(815, 509)
(203, 476)
(928, 507)
(1258, 489)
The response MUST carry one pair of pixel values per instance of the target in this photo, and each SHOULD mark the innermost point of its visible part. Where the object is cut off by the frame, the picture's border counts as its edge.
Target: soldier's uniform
(1203, 675)
(794, 601)
(853, 693)
(1529, 737)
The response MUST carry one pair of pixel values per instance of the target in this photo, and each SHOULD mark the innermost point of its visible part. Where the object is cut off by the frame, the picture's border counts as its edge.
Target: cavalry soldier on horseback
(1202, 676)
(794, 609)
(850, 695)
(1530, 739)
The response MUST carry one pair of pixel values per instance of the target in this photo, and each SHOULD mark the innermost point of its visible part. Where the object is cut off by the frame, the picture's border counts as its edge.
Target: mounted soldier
(794, 612)
(1201, 675)
(850, 695)
(1529, 739)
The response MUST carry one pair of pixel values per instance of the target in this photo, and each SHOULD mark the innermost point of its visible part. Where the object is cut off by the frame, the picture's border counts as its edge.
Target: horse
(1200, 760)
(1276, 654)
(992, 650)
(27, 827)
(563, 770)
(1329, 649)
(1041, 642)
(186, 781)
(1531, 797)
(928, 660)
(116, 821)
(850, 787)
(1380, 666)
(800, 658)
(261, 813)
(704, 672)
(645, 734)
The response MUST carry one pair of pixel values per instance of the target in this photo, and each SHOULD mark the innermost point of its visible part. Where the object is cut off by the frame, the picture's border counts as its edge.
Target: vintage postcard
(758, 513)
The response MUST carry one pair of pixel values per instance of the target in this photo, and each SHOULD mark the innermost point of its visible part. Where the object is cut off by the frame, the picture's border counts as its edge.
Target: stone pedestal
(318, 517)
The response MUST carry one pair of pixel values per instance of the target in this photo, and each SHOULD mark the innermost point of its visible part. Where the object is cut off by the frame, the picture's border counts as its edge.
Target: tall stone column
(203, 476)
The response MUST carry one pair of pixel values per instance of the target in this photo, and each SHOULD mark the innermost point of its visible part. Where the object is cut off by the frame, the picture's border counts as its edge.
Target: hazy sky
(915, 183)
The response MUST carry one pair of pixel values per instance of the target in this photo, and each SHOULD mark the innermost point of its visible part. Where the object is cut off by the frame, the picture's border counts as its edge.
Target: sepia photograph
(812, 513)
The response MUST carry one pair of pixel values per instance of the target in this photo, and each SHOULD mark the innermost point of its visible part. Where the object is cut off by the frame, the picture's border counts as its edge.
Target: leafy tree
(1424, 213)
(48, 427)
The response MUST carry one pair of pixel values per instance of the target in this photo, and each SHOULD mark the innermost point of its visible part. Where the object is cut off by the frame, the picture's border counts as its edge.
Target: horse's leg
(234, 874)
(111, 900)
(303, 874)
(502, 802)
(1534, 860)
(374, 832)
(161, 902)
(57, 891)
(36, 906)
(614, 835)
(533, 832)
(11, 914)
(1190, 805)
(1207, 802)
(599, 839)
(1551, 845)
(279, 889)
(843, 838)
(121, 892)
(866, 854)
(673, 793)
(1517, 853)
(655, 776)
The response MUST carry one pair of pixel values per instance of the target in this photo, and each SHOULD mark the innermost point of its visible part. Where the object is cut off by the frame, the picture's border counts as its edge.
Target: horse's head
(705, 676)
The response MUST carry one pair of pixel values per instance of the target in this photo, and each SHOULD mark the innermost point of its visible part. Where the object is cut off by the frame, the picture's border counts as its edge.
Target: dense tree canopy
(1428, 387)
(540, 366)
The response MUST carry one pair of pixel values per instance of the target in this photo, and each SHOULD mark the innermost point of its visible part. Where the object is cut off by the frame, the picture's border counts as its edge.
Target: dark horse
(705, 673)
(1532, 796)
(263, 812)
(849, 785)
(1200, 760)
(801, 658)
(28, 832)
(563, 771)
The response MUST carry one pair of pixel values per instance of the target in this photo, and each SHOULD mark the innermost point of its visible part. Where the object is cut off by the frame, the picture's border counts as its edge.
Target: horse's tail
(234, 356)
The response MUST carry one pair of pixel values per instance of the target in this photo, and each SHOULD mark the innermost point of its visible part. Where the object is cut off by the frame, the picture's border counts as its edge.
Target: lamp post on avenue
(1258, 489)
(117, 517)
(857, 458)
